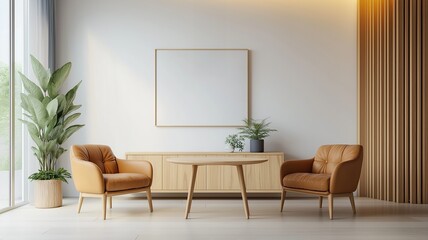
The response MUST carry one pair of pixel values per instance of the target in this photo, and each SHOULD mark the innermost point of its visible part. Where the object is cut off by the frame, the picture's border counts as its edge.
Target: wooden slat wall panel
(424, 46)
(393, 88)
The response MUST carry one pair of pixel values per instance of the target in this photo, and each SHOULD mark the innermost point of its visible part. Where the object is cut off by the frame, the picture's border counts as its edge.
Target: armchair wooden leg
(149, 199)
(80, 203)
(320, 201)
(330, 206)
(283, 193)
(111, 202)
(351, 198)
(104, 199)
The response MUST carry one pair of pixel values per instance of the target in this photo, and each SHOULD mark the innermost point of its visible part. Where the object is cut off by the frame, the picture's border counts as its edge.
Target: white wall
(303, 68)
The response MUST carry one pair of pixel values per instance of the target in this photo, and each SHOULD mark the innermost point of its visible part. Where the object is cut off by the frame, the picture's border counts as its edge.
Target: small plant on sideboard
(235, 142)
(256, 131)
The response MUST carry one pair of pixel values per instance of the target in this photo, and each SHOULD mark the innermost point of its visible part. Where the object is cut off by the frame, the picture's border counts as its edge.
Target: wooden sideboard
(173, 178)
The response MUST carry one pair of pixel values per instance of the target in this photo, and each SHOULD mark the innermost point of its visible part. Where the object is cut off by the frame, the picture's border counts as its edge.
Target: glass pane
(19, 66)
(4, 104)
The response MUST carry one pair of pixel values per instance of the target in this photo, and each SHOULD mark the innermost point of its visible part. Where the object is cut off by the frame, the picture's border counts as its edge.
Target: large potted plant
(256, 131)
(49, 117)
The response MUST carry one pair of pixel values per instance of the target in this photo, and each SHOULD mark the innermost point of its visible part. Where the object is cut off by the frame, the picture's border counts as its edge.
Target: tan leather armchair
(98, 173)
(334, 171)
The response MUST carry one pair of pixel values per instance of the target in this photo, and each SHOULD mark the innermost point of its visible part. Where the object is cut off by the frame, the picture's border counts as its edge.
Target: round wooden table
(231, 161)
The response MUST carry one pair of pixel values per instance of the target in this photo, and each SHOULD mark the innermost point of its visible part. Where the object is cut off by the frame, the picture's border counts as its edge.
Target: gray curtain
(42, 31)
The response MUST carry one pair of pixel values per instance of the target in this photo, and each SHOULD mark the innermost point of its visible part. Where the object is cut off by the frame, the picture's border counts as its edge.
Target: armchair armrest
(295, 166)
(87, 176)
(136, 166)
(345, 176)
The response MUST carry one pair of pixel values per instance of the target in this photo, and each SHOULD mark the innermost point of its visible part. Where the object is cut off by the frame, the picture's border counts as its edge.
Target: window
(12, 59)
(5, 182)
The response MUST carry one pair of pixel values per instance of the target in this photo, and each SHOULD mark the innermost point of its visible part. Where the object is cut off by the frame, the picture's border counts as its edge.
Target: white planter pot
(47, 193)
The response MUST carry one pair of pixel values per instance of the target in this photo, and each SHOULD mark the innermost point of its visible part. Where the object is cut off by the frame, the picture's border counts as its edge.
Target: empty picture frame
(201, 87)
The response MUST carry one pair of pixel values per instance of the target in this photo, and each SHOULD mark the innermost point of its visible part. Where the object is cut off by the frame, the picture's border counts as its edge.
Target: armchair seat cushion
(125, 181)
(307, 181)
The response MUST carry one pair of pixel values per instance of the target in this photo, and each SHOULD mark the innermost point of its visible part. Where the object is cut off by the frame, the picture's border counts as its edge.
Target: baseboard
(217, 195)
(224, 195)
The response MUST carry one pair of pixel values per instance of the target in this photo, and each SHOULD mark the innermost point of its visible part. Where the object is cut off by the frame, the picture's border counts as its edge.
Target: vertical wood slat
(424, 69)
(413, 102)
(399, 102)
(361, 24)
(385, 102)
(394, 105)
(382, 103)
(372, 106)
(389, 133)
(376, 97)
(406, 100)
(393, 88)
(418, 127)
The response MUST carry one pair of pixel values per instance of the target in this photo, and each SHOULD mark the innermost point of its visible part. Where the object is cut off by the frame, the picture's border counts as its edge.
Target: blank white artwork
(201, 87)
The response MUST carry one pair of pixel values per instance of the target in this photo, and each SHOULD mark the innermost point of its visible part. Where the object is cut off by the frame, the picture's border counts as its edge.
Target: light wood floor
(218, 219)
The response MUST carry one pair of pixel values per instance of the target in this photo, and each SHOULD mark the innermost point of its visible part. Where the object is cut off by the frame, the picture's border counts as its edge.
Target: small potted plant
(256, 131)
(235, 142)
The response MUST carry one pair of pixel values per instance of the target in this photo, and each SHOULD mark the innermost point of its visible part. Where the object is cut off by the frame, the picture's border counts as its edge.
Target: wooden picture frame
(201, 87)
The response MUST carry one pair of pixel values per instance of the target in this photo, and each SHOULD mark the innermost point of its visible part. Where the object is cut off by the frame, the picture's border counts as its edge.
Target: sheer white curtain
(41, 44)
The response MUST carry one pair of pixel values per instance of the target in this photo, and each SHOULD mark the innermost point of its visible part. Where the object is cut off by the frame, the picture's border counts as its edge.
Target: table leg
(191, 188)
(243, 190)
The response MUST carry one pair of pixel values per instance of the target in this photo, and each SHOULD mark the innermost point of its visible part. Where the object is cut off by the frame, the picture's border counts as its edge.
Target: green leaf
(32, 129)
(71, 118)
(46, 100)
(40, 113)
(37, 141)
(31, 87)
(26, 105)
(72, 108)
(62, 103)
(42, 148)
(51, 125)
(59, 152)
(68, 132)
(55, 133)
(38, 154)
(52, 107)
(41, 73)
(30, 117)
(71, 94)
(57, 79)
(51, 145)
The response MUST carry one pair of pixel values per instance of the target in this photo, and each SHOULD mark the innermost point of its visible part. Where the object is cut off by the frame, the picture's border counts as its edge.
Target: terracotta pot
(47, 193)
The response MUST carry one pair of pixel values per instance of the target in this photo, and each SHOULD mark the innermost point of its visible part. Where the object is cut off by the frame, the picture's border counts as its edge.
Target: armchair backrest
(329, 156)
(100, 155)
